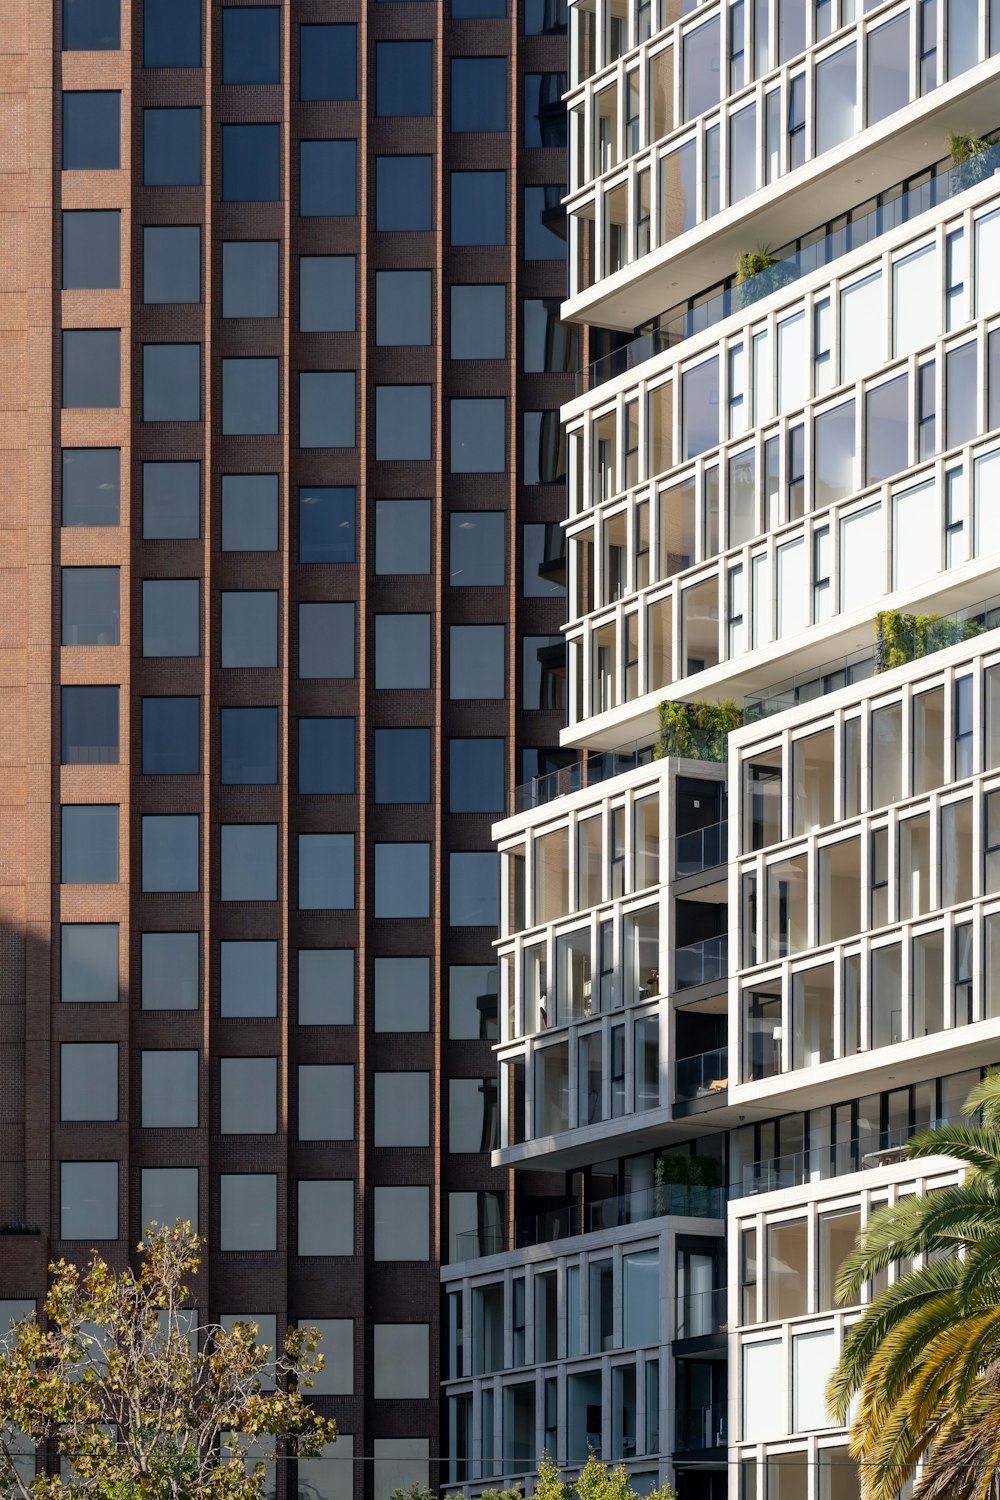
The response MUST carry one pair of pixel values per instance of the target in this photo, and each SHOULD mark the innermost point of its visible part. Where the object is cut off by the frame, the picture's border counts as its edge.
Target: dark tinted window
(249, 628)
(543, 674)
(549, 345)
(91, 25)
(88, 963)
(404, 192)
(402, 307)
(475, 776)
(249, 746)
(91, 368)
(170, 617)
(171, 382)
(89, 845)
(91, 249)
(478, 322)
(327, 293)
(479, 208)
(171, 499)
(90, 609)
(402, 651)
(328, 67)
(544, 223)
(326, 756)
(402, 536)
(544, 111)
(170, 737)
(478, 10)
(404, 78)
(326, 523)
(478, 442)
(544, 448)
(251, 44)
(544, 17)
(326, 408)
(171, 263)
(91, 486)
(402, 765)
(250, 279)
(249, 512)
(327, 178)
(544, 560)
(90, 131)
(89, 726)
(477, 548)
(476, 667)
(479, 93)
(250, 163)
(171, 147)
(474, 889)
(171, 33)
(249, 396)
(326, 639)
(402, 422)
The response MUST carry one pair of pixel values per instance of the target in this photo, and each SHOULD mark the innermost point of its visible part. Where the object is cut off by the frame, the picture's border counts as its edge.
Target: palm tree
(919, 1377)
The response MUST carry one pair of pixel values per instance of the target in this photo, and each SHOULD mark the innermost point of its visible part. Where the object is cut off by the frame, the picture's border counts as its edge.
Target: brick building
(282, 586)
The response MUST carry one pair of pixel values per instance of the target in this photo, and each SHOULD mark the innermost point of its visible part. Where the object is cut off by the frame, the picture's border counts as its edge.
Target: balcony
(541, 790)
(702, 849)
(703, 1076)
(698, 1315)
(680, 1199)
(701, 1427)
(937, 184)
(824, 1162)
(706, 962)
(936, 634)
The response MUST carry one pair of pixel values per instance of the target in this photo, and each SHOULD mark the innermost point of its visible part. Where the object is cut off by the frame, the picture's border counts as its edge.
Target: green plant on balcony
(970, 157)
(752, 263)
(901, 638)
(684, 1183)
(696, 731)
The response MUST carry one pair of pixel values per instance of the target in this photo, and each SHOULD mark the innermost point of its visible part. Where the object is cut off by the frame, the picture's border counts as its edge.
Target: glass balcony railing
(590, 772)
(702, 849)
(686, 1200)
(697, 1315)
(683, 1199)
(701, 963)
(928, 635)
(822, 1162)
(702, 1076)
(701, 1427)
(899, 204)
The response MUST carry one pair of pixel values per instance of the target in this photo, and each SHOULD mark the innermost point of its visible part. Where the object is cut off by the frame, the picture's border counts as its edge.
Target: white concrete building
(736, 979)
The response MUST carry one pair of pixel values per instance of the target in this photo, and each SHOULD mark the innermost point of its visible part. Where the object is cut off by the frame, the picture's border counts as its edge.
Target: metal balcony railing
(701, 963)
(701, 1076)
(702, 849)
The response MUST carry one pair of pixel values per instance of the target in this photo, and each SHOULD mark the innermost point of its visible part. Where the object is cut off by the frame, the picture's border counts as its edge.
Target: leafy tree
(923, 1361)
(596, 1482)
(143, 1405)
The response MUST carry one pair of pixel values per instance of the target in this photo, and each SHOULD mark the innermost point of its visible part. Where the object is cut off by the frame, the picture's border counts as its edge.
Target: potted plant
(972, 159)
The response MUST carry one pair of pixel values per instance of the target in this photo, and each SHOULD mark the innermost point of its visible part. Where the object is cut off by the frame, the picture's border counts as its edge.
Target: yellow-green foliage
(113, 1384)
(696, 731)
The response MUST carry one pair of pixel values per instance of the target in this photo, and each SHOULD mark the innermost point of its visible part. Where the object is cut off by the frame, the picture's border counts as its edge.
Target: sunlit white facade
(738, 973)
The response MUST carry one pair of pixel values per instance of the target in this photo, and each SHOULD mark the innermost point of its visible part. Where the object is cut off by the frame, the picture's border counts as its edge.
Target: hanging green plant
(696, 731)
(903, 638)
(972, 158)
(754, 263)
